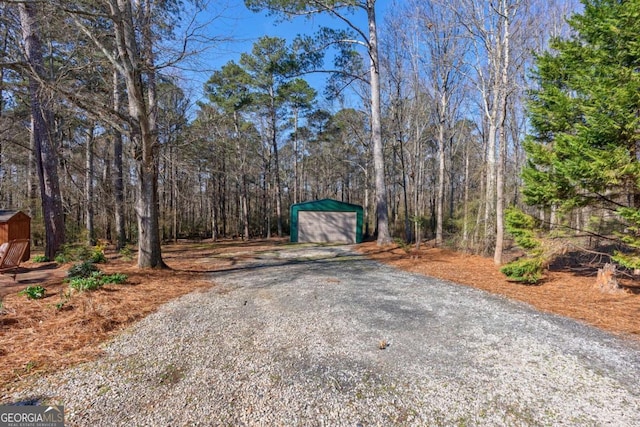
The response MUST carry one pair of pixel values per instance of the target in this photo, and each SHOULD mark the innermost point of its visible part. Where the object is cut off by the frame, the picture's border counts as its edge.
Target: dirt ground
(40, 336)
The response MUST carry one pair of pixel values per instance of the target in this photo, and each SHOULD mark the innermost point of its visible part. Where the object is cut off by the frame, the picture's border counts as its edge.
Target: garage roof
(326, 205)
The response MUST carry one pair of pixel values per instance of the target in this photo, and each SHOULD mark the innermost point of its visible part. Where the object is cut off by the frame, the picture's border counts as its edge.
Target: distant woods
(96, 128)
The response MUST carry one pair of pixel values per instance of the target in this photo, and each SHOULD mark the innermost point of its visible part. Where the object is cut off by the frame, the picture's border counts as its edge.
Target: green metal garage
(326, 221)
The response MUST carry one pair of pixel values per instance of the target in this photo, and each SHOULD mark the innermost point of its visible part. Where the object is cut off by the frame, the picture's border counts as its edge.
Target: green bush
(70, 253)
(526, 270)
(402, 244)
(96, 280)
(33, 292)
(64, 299)
(65, 255)
(98, 257)
(90, 283)
(522, 227)
(126, 253)
(630, 258)
(40, 258)
(82, 269)
(114, 279)
(62, 258)
(82, 253)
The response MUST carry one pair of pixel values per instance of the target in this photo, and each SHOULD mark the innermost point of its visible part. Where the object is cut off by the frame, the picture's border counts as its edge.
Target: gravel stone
(294, 339)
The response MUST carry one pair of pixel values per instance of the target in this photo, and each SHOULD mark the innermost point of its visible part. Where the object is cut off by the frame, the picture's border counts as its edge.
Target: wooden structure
(15, 225)
(326, 221)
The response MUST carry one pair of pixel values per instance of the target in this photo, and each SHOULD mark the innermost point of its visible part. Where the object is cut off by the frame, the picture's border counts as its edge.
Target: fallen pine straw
(37, 337)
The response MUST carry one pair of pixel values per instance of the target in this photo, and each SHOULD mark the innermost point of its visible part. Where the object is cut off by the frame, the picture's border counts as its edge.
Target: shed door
(338, 227)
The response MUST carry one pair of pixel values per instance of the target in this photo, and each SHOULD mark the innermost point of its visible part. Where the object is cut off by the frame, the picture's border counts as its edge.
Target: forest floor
(41, 336)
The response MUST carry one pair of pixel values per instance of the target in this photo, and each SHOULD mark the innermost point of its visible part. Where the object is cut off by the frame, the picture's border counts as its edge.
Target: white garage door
(319, 227)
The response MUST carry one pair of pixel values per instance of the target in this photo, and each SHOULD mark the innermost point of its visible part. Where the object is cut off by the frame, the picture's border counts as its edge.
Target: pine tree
(585, 114)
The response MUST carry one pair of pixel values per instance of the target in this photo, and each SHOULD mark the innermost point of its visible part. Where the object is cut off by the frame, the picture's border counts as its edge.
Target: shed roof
(326, 205)
(6, 215)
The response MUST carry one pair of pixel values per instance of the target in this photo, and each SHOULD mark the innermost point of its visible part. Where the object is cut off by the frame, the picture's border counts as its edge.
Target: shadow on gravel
(274, 261)
(32, 401)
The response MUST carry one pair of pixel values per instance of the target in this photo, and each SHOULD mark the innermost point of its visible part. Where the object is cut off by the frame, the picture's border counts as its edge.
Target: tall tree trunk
(266, 216)
(244, 206)
(118, 178)
(465, 224)
(276, 172)
(407, 223)
(149, 254)
(41, 128)
(149, 203)
(490, 184)
(398, 130)
(502, 107)
(366, 201)
(142, 110)
(477, 240)
(441, 170)
(214, 222)
(382, 214)
(497, 255)
(3, 51)
(174, 199)
(2, 172)
(107, 191)
(88, 189)
(32, 185)
(417, 179)
(241, 156)
(295, 156)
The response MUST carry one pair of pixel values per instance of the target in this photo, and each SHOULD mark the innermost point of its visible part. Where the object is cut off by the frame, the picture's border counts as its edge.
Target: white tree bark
(382, 215)
(503, 94)
(441, 169)
(490, 27)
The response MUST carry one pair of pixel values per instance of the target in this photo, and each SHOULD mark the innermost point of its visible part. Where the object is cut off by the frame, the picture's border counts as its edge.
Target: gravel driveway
(294, 339)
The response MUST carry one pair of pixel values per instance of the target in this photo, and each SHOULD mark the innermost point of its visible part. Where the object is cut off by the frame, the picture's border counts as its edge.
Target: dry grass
(36, 337)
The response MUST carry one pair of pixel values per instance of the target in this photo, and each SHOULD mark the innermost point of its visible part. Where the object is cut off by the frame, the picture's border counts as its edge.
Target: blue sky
(232, 20)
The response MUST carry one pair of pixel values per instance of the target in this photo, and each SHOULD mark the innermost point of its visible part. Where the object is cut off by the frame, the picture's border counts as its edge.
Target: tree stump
(606, 279)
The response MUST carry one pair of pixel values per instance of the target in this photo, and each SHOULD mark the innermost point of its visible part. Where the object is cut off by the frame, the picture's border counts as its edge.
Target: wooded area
(423, 121)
